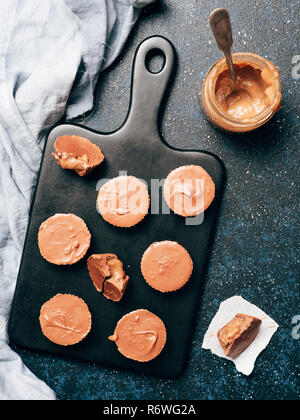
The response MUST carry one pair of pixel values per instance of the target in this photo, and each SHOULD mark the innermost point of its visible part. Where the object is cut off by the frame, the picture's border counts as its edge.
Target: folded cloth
(51, 53)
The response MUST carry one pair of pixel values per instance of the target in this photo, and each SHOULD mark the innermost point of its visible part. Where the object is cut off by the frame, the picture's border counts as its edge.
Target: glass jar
(216, 114)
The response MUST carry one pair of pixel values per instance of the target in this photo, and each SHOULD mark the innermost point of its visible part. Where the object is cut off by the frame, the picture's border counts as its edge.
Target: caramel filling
(70, 161)
(253, 93)
(116, 269)
(116, 283)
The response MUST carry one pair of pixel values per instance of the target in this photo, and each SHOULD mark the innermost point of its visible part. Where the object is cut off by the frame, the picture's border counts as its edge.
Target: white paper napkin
(228, 309)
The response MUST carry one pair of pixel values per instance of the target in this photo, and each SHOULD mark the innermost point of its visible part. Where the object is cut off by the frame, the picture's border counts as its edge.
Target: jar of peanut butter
(247, 104)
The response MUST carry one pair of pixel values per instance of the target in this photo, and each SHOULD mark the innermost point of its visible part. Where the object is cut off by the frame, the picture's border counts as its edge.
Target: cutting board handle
(148, 89)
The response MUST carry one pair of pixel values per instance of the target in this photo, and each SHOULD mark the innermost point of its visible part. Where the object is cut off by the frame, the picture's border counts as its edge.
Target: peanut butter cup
(107, 274)
(166, 266)
(63, 239)
(238, 334)
(140, 335)
(123, 201)
(65, 319)
(77, 153)
(189, 190)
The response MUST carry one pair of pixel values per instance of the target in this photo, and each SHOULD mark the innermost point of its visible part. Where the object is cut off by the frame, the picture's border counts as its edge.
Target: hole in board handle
(155, 61)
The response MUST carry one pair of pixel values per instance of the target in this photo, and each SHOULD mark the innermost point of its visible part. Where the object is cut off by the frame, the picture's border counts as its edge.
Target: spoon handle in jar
(221, 27)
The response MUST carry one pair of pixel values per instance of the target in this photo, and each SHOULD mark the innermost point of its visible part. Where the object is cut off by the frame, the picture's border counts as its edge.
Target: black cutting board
(138, 149)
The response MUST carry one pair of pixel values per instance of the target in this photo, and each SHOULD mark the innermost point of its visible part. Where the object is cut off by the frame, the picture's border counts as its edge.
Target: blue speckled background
(255, 250)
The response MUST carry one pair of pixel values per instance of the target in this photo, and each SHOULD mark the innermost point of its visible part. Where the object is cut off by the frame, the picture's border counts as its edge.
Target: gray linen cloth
(51, 53)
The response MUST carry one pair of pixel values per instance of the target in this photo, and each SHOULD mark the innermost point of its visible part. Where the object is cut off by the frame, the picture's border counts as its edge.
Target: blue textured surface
(255, 250)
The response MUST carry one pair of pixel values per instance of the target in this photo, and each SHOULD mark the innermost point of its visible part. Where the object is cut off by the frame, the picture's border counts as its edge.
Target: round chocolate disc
(63, 239)
(140, 335)
(65, 319)
(123, 201)
(189, 190)
(166, 266)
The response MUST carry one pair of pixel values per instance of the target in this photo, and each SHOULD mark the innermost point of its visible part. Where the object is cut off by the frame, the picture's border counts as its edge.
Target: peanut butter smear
(253, 93)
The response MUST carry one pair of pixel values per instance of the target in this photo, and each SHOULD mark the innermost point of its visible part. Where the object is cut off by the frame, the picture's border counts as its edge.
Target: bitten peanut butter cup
(63, 239)
(65, 319)
(140, 335)
(78, 154)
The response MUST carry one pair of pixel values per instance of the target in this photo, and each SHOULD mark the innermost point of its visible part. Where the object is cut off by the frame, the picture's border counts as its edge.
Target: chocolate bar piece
(238, 334)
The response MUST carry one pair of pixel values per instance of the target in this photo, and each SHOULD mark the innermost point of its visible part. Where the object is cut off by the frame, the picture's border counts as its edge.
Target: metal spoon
(221, 27)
